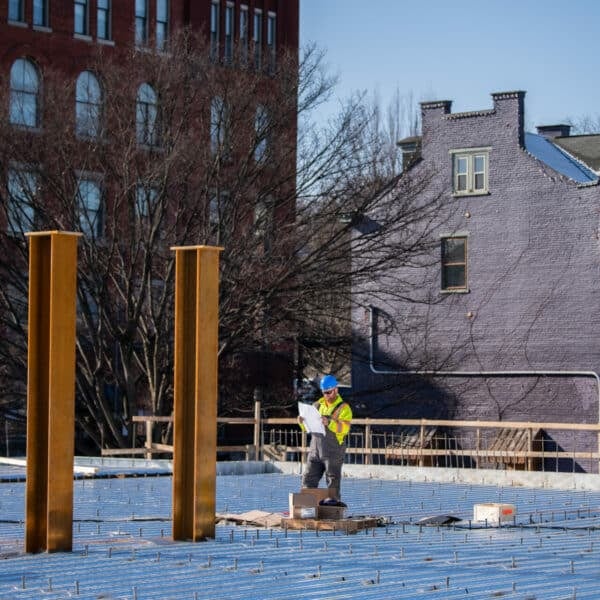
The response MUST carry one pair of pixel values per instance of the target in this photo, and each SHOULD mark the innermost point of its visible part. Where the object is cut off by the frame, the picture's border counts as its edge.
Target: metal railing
(530, 446)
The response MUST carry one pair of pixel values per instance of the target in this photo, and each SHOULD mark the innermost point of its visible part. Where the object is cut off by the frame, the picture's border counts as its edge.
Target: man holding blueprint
(328, 421)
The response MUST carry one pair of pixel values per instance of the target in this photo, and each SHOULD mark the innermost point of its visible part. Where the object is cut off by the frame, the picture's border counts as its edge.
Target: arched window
(88, 106)
(24, 93)
(147, 116)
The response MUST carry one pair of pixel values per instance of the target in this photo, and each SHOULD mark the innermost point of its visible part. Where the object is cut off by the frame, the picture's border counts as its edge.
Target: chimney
(554, 131)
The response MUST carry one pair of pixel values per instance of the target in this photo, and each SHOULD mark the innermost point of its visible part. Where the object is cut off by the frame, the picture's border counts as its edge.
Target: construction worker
(326, 452)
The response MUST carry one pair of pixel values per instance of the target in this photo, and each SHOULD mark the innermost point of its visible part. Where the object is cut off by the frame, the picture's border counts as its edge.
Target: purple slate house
(506, 325)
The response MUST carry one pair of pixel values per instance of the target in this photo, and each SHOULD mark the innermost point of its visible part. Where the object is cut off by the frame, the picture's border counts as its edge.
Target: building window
(261, 130)
(22, 186)
(162, 24)
(257, 38)
(103, 18)
(214, 29)
(88, 106)
(470, 171)
(219, 127)
(24, 93)
(147, 116)
(81, 17)
(88, 206)
(229, 33)
(272, 40)
(454, 263)
(217, 208)
(263, 222)
(243, 34)
(16, 11)
(141, 22)
(145, 200)
(40, 13)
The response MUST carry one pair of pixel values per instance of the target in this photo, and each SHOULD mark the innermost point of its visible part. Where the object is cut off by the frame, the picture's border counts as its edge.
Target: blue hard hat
(328, 382)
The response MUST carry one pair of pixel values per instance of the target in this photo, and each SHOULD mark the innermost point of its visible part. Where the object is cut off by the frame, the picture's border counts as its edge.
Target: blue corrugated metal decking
(122, 547)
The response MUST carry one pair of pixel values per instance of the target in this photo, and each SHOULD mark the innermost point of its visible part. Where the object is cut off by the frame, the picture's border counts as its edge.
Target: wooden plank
(348, 525)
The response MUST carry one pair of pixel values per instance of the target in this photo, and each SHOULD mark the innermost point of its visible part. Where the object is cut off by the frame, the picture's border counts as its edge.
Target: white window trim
(469, 154)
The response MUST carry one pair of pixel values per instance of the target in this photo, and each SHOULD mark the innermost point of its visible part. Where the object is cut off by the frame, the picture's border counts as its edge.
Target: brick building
(102, 127)
(507, 311)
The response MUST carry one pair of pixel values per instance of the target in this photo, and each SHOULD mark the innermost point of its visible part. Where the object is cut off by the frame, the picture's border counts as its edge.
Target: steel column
(195, 392)
(51, 391)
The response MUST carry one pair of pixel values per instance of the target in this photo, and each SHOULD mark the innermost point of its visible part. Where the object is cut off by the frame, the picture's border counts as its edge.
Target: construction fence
(528, 446)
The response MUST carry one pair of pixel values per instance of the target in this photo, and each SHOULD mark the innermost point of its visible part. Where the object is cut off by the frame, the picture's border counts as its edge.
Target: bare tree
(147, 150)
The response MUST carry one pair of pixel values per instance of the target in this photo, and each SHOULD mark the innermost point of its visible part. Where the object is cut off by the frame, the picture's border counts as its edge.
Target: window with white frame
(88, 106)
(470, 171)
(40, 13)
(146, 115)
(229, 32)
(103, 20)
(16, 11)
(214, 29)
(81, 17)
(454, 263)
(22, 187)
(24, 93)
(89, 207)
(272, 40)
(261, 131)
(257, 38)
(243, 34)
(162, 24)
(219, 127)
(141, 22)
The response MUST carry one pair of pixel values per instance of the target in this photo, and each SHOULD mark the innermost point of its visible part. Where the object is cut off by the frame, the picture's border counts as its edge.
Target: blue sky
(464, 50)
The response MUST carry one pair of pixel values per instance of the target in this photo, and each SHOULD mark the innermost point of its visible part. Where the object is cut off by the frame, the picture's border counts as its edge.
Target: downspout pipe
(505, 373)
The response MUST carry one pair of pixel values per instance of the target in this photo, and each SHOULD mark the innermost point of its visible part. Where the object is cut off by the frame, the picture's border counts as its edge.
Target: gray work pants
(325, 455)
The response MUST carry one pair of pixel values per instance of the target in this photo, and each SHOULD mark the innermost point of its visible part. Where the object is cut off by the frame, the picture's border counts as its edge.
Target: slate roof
(558, 159)
(122, 547)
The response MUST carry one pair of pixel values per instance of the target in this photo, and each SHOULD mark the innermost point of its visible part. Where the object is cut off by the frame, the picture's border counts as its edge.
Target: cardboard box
(305, 505)
(494, 512)
(332, 513)
(302, 506)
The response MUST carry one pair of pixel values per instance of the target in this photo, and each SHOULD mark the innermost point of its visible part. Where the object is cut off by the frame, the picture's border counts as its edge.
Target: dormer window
(470, 171)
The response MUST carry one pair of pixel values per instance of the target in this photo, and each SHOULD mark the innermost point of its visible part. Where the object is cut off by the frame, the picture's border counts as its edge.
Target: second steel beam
(195, 392)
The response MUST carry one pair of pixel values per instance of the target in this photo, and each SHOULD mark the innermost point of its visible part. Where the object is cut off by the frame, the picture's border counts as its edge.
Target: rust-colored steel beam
(195, 392)
(51, 391)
